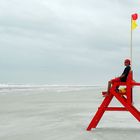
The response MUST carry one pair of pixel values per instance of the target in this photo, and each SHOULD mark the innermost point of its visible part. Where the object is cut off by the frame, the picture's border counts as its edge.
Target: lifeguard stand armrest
(134, 83)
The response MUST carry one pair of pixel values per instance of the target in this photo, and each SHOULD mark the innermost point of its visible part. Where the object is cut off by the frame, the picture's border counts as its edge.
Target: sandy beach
(61, 112)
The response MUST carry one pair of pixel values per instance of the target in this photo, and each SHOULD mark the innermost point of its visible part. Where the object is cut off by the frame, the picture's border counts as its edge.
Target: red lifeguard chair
(125, 99)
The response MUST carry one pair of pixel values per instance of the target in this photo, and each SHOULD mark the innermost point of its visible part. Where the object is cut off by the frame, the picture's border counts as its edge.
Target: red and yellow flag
(134, 18)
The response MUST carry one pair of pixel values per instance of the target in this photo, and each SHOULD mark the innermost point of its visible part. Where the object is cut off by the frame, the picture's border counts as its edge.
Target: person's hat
(127, 61)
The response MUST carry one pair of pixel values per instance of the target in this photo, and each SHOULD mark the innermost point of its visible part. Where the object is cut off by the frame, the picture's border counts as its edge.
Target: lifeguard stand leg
(129, 95)
(94, 122)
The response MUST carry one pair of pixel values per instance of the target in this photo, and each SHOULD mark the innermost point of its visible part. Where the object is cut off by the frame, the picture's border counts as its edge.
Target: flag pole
(131, 44)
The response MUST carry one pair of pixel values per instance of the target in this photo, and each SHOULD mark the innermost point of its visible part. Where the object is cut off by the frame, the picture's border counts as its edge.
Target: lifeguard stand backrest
(130, 76)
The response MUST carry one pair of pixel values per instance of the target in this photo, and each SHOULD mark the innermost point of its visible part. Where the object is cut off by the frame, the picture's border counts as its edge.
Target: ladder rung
(116, 109)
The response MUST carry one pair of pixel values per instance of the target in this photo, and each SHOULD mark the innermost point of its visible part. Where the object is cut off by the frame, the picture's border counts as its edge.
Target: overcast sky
(66, 41)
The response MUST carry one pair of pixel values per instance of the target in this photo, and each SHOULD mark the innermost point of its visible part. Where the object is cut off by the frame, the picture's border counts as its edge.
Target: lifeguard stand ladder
(126, 100)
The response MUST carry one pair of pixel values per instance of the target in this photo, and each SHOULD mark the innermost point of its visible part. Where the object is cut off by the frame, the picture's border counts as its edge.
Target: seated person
(121, 78)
